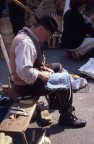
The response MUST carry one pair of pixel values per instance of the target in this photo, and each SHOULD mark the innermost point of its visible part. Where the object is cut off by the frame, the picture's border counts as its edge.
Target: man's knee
(56, 67)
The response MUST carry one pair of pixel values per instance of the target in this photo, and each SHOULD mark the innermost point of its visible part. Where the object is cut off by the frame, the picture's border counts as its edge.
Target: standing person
(30, 73)
(17, 16)
(2, 6)
(77, 36)
(59, 5)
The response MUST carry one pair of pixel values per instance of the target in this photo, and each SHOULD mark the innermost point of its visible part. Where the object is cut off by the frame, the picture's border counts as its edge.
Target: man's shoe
(71, 120)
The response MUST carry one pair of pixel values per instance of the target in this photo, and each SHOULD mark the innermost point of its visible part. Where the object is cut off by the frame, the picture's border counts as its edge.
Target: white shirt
(25, 57)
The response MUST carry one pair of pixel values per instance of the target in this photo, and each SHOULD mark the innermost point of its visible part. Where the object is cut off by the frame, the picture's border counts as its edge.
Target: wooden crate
(54, 41)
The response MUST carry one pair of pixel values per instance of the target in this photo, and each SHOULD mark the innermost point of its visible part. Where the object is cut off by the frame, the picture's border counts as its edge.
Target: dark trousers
(63, 97)
(17, 16)
(2, 6)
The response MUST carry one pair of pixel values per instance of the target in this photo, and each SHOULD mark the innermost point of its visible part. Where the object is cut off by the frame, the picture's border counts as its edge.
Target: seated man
(30, 72)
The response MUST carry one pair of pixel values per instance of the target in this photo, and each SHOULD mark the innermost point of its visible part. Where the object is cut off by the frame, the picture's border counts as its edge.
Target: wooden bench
(18, 124)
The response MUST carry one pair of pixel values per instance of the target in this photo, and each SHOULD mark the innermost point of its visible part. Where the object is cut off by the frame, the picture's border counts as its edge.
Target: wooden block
(2, 138)
(28, 101)
(8, 140)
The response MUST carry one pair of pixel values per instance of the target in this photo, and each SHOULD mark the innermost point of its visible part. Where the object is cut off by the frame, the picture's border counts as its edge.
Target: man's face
(44, 34)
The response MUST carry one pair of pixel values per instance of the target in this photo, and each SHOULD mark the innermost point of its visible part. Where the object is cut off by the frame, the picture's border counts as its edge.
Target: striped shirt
(25, 57)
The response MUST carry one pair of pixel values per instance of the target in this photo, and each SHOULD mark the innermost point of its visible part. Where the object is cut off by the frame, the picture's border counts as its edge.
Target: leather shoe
(71, 120)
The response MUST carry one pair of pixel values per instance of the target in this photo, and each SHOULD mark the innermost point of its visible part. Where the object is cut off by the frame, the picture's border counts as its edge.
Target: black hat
(48, 23)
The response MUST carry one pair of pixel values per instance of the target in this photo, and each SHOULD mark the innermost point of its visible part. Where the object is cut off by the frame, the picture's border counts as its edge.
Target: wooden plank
(23, 6)
(20, 123)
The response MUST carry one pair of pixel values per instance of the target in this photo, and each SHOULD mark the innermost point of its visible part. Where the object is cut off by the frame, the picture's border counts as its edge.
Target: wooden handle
(5, 53)
(23, 6)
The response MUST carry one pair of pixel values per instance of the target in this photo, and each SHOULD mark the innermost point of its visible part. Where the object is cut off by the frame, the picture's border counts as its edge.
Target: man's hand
(44, 75)
(44, 68)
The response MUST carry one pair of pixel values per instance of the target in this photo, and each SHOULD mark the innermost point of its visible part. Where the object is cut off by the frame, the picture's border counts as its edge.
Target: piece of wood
(30, 102)
(8, 140)
(5, 53)
(2, 138)
(5, 139)
(23, 6)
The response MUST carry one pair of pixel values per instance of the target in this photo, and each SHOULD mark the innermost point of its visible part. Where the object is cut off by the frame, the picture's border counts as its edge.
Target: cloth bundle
(58, 81)
(77, 82)
(62, 81)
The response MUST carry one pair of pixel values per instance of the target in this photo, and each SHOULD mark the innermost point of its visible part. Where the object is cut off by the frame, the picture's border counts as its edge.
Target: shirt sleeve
(25, 57)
